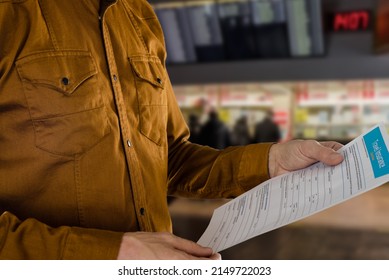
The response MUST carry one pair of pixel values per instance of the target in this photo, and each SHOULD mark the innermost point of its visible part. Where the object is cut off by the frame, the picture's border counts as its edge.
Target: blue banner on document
(378, 152)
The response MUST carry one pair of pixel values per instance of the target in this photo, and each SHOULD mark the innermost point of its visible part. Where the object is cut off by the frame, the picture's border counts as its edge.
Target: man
(267, 130)
(92, 140)
(241, 132)
(214, 133)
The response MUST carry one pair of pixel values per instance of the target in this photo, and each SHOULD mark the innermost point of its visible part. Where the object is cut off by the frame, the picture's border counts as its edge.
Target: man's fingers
(297, 154)
(325, 152)
(191, 247)
(332, 144)
(161, 246)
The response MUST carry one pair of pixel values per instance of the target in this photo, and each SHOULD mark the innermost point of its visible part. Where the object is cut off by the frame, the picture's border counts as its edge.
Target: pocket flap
(149, 69)
(63, 70)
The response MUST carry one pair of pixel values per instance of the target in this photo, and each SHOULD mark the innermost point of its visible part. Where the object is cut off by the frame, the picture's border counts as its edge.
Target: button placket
(135, 174)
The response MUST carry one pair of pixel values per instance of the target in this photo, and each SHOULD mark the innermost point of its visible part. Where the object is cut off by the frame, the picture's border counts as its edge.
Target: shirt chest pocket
(150, 79)
(64, 100)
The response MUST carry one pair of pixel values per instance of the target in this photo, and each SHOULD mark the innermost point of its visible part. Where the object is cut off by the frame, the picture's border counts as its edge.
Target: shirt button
(142, 211)
(65, 81)
(129, 143)
(159, 81)
(115, 78)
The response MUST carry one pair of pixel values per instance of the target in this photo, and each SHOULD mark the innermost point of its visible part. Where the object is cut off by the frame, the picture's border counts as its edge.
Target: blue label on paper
(378, 152)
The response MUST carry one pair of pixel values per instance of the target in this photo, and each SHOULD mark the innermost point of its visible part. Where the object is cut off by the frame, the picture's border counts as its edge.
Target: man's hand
(297, 154)
(161, 246)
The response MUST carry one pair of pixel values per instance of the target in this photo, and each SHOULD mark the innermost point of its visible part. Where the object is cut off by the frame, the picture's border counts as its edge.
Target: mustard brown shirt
(91, 137)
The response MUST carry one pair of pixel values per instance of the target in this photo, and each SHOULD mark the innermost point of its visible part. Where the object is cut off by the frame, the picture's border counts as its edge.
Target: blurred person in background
(267, 130)
(214, 133)
(240, 132)
(92, 139)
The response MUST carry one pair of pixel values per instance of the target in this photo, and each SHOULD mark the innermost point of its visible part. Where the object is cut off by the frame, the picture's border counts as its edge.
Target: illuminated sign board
(357, 20)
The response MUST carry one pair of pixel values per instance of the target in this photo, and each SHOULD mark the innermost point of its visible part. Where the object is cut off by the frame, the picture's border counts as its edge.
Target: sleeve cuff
(92, 244)
(253, 168)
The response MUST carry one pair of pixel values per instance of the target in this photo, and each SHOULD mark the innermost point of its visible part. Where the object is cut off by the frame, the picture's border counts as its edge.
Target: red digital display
(351, 21)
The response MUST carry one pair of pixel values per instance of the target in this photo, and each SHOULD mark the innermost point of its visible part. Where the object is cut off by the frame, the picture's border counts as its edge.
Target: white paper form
(298, 194)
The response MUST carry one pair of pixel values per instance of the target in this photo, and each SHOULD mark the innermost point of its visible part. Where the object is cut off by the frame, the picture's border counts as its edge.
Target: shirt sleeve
(31, 239)
(203, 172)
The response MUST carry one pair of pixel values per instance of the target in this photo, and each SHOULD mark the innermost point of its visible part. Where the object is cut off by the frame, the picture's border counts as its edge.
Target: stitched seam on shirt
(37, 55)
(138, 32)
(71, 156)
(66, 115)
(240, 177)
(130, 154)
(77, 175)
(49, 83)
(117, 99)
(145, 224)
(48, 24)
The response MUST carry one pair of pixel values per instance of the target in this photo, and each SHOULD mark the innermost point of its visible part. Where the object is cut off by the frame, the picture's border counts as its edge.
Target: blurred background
(249, 71)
